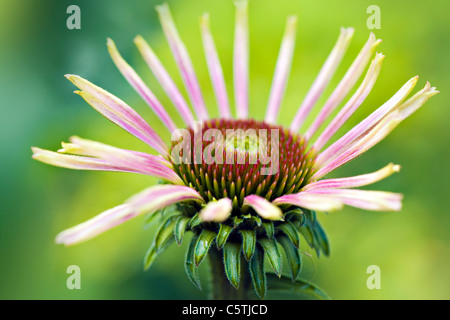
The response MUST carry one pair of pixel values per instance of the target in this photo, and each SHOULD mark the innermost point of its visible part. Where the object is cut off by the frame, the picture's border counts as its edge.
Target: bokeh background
(38, 108)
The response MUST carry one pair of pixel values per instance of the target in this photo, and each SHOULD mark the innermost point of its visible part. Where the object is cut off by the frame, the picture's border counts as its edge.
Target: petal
(215, 68)
(118, 112)
(216, 211)
(95, 226)
(369, 122)
(136, 161)
(165, 80)
(312, 201)
(241, 59)
(282, 70)
(353, 104)
(75, 162)
(374, 134)
(183, 61)
(140, 87)
(367, 200)
(356, 181)
(323, 78)
(159, 196)
(263, 207)
(345, 85)
(149, 201)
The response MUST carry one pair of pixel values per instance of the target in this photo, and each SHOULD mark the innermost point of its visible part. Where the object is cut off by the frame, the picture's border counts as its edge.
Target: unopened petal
(263, 207)
(216, 211)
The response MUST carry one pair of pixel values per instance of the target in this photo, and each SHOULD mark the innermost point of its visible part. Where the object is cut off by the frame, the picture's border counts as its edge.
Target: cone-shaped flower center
(232, 159)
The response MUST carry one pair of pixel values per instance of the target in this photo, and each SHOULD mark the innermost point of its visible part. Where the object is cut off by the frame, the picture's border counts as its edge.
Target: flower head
(240, 183)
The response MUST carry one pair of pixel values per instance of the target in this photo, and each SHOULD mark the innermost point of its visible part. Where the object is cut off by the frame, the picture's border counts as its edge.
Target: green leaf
(204, 242)
(189, 264)
(195, 221)
(237, 221)
(248, 243)
(222, 237)
(293, 256)
(180, 228)
(288, 229)
(300, 286)
(232, 262)
(271, 249)
(257, 272)
(268, 226)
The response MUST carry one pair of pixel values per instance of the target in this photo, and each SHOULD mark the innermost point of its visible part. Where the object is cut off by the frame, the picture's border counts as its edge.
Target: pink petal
(183, 61)
(241, 59)
(323, 78)
(282, 70)
(215, 68)
(118, 112)
(345, 85)
(352, 105)
(312, 201)
(165, 80)
(356, 181)
(263, 207)
(140, 87)
(216, 211)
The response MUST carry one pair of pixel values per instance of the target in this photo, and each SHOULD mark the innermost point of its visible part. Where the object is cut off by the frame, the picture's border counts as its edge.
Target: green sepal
(256, 266)
(248, 243)
(237, 221)
(307, 233)
(195, 221)
(300, 286)
(293, 256)
(232, 262)
(257, 220)
(204, 242)
(288, 229)
(180, 228)
(296, 216)
(271, 249)
(164, 236)
(268, 226)
(222, 237)
(189, 264)
(321, 238)
(150, 256)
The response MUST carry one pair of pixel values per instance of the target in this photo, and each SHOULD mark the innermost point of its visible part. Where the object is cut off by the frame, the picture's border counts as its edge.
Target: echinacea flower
(242, 186)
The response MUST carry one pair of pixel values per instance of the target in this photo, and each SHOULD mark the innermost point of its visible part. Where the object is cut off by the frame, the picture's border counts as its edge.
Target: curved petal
(312, 201)
(282, 69)
(118, 112)
(183, 61)
(353, 104)
(323, 78)
(165, 80)
(263, 207)
(345, 85)
(241, 59)
(136, 82)
(148, 201)
(366, 199)
(215, 68)
(356, 181)
(216, 211)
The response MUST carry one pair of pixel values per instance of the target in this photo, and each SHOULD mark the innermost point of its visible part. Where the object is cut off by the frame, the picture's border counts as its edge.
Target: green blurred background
(411, 247)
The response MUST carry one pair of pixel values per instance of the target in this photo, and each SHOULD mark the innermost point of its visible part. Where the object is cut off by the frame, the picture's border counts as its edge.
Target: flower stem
(220, 287)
